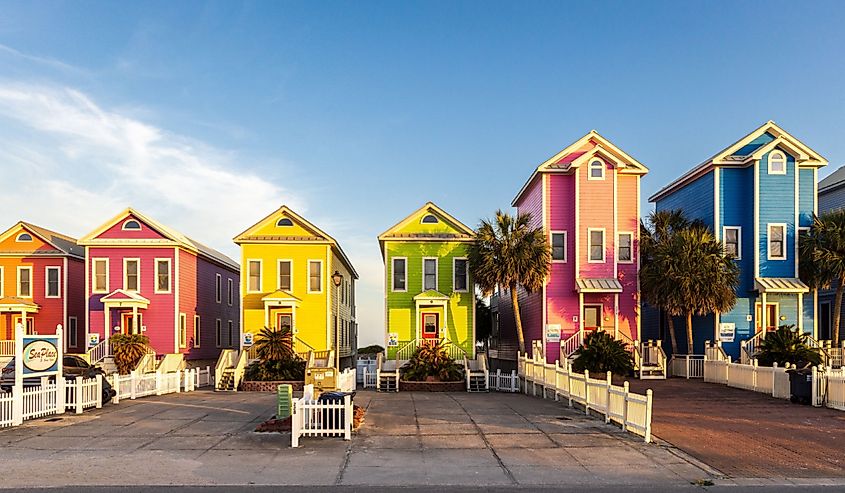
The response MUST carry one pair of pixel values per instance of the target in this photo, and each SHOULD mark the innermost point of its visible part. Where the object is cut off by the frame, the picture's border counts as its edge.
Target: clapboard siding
(694, 198)
(777, 205)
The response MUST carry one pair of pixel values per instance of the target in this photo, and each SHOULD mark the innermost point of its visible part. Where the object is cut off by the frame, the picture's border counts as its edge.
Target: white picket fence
(313, 418)
(686, 366)
(346, 380)
(48, 398)
(369, 378)
(135, 384)
(834, 388)
(632, 411)
(84, 393)
(764, 379)
(503, 382)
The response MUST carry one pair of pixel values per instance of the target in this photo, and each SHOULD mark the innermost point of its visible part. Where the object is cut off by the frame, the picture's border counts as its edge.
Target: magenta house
(145, 278)
(586, 198)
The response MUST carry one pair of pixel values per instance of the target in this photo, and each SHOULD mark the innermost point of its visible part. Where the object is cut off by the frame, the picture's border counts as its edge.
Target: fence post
(99, 378)
(78, 395)
(294, 425)
(649, 398)
(815, 387)
(133, 385)
(557, 381)
(17, 405)
(607, 402)
(115, 381)
(348, 416)
(774, 377)
(587, 392)
(625, 387)
(158, 382)
(61, 397)
(688, 365)
(569, 381)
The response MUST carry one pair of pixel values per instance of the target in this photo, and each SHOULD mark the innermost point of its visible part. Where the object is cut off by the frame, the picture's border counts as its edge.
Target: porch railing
(99, 352)
(7, 348)
(748, 348)
(570, 345)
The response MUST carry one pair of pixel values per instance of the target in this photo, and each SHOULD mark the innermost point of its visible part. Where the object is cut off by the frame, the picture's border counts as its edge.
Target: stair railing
(453, 350)
(240, 369)
(748, 348)
(225, 361)
(823, 347)
(7, 347)
(99, 352)
(570, 345)
(406, 350)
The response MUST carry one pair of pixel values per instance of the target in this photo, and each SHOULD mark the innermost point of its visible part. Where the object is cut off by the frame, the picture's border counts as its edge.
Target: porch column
(23, 321)
(764, 323)
(266, 314)
(446, 320)
(616, 316)
(801, 312)
(106, 322)
(581, 314)
(135, 328)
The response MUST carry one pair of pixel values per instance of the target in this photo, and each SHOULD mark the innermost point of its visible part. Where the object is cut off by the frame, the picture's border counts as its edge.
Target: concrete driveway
(206, 438)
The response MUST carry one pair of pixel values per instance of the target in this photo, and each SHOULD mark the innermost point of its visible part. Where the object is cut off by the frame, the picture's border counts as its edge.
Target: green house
(429, 293)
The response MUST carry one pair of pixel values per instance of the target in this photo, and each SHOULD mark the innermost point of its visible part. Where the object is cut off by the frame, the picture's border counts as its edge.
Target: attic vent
(429, 219)
(284, 222)
(131, 225)
(24, 237)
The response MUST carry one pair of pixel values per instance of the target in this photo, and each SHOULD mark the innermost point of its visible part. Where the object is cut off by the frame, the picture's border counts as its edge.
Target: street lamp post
(337, 278)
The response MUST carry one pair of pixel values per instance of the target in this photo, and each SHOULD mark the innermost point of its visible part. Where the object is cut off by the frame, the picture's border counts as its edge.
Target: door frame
(757, 319)
(436, 325)
(29, 329)
(127, 315)
(279, 315)
(600, 307)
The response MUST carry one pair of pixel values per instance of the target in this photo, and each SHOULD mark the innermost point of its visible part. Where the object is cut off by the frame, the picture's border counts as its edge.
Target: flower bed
(411, 386)
(269, 386)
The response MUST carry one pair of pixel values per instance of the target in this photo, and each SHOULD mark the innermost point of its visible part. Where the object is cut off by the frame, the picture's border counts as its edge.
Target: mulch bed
(274, 425)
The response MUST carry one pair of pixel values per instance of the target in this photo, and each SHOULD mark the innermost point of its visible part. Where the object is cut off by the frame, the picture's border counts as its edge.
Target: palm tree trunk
(518, 319)
(837, 311)
(672, 336)
(690, 345)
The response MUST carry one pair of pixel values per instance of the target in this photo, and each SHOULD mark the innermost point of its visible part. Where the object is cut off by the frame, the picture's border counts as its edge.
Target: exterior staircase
(477, 374)
(229, 370)
(650, 361)
(227, 381)
(387, 374)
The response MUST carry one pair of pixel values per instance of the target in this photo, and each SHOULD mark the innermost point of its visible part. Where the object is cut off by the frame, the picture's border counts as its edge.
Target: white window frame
(436, 219)
(590, 169)
(19, 240)
(308, 273)
(455, 272)
(436, 272)
(169, 276)
(218, 287)
(603, 245)
(738, 239)
(18, 284)
(183, 330)
(782, 155)
(279, 263)
(565, 246)
(218, 332)
(405, 278)
(73, 328)
(283, 218)
(58, 282)
(230, 291)
(137, 275)
(249, 262)
(94, 262)
(2, 281)
(197, 331)
(124, 228)
(619, 235)
(769, 227)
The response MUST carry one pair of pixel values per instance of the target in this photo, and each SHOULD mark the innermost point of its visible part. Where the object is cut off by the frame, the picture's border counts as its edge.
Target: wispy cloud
(76, 163)
(45, 61)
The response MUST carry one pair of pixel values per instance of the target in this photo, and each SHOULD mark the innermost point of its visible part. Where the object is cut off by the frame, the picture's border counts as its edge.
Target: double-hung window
(596, 170)
(253, 276)
(461, 270)
(777, 163)
(625, 247)
(315, 276)
(183, 330)
(197, 330)
(732, 241)
(100, 274)
(777, 241)
(400, 274)
(52, 285)
(218, 288)
(131, 267)
(285, 273)
(218, 333)
(559, 246)
(595, 245)
(230, 291)
(25, 282)
(429, 274)
(72, 332)
(162, 275)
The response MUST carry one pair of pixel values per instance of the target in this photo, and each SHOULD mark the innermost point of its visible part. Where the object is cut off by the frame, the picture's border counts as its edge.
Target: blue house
(756, 195)
(831, 198)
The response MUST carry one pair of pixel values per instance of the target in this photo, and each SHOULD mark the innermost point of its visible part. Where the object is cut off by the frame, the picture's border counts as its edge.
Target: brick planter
(409, 386)
(270, 386)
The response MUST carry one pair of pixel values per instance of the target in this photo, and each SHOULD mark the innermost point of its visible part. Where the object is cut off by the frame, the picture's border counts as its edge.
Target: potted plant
(277, 360)
(431, 364)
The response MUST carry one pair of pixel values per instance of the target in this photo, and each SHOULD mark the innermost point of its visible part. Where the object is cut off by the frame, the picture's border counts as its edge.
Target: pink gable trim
(116, 231)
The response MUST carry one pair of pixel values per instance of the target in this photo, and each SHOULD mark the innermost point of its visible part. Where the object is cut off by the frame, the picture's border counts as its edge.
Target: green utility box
(285, 396)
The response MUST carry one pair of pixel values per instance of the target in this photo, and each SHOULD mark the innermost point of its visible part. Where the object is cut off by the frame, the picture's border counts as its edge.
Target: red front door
(430, 324)
(284, 321)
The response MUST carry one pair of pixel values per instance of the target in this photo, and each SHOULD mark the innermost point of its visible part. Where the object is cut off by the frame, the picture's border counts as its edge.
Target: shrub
(128, 349)
(787, 345)
(601, 353)
(431, 362)
(285, 370)
(374, 349)
(275, 344)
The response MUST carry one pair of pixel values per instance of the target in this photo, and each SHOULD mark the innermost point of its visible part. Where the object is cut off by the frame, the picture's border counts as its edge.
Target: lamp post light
(337, 278)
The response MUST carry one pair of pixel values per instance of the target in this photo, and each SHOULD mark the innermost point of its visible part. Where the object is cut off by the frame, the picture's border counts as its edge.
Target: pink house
(586, 198)
(144, 278)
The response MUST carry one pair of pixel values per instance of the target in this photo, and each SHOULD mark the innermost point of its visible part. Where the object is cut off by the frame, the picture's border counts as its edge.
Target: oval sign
(40, 356)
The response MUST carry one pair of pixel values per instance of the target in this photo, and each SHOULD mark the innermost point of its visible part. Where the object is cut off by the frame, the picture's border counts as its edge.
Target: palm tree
(822, 259)
(511, 253)
(787, 345)
(275, 344)
(128, 349)
(686, 271)
(654, 286)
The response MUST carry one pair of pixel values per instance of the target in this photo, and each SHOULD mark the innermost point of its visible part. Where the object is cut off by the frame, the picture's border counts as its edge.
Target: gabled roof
(833, 181)
(745, 151)
(580, 151)
(121, 295)
(281, 295)
(431, 294)
(458, 230)
(318, 235)
(173, 238)
(63, 244)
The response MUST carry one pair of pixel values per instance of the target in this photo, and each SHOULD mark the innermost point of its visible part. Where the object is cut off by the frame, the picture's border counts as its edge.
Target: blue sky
(209, 115)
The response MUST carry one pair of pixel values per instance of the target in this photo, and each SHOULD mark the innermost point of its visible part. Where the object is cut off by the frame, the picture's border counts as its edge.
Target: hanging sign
(392, 339)
(727, 332)
(552, 332)
(93, 339)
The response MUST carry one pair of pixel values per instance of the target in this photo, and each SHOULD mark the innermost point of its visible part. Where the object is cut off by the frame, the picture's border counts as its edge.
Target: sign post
(38, 356)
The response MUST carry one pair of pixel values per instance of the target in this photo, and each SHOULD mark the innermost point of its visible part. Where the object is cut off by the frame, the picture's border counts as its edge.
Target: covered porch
(14, 311)
(122, 313)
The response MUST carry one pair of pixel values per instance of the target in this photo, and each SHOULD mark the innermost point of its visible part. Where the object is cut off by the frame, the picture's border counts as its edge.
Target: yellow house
(295, 275)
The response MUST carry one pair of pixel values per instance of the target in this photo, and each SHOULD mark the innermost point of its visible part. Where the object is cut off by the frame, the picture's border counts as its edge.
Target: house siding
(198, 296)
(694, 198)
(777, 205)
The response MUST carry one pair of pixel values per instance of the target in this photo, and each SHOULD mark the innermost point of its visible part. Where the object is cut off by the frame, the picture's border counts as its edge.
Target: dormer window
(24, 237)
(777, 163)
(284, 222)
(131, 225)
(596, 169)
(430, 219)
